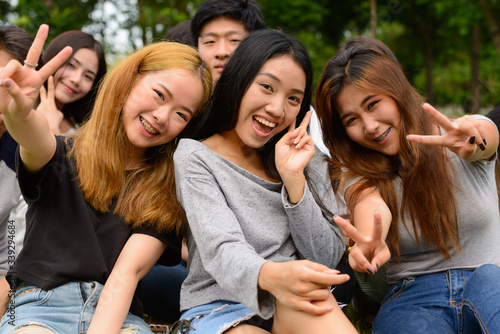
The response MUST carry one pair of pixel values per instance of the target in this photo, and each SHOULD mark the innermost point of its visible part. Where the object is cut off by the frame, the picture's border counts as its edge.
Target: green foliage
(433, 32)
(59, 15)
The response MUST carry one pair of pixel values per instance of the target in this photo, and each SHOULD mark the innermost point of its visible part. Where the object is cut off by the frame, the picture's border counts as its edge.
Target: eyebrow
(272, 76)
(169, 93)
(227, 33)
(80, 63)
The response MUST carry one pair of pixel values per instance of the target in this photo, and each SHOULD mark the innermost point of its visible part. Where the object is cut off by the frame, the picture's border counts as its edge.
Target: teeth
(383, 136)
(266, 123)
(148, 127)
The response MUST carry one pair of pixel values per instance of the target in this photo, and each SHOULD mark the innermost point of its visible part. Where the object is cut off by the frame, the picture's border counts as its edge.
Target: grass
(362, 325)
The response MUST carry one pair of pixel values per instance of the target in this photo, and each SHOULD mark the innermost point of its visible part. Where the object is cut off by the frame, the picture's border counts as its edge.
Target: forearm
(114, 302)
(369, 202)
(136, 259)
(295, 185)
(312, 232)
(4, 296)
(33, 134)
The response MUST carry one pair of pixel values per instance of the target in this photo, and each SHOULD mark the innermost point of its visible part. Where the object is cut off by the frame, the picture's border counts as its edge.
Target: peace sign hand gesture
(369, 252)
(20, 84)
(465, 136)
(293, 152)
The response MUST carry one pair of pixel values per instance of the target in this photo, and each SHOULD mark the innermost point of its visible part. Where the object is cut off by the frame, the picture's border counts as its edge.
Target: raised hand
(48, 107)
(369, 252)
(20, 84)
(465, 136)
(293, 152)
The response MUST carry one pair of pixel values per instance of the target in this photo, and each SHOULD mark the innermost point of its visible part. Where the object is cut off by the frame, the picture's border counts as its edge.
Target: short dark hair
(239, 73)
(180, 33)
(81, 109)
(16, 42)
(247, 12)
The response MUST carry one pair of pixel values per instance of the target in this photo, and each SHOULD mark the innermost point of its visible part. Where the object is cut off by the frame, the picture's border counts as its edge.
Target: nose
(371, 125)
(223, 50)
(161, 116)
(76, 77)
(275, 106)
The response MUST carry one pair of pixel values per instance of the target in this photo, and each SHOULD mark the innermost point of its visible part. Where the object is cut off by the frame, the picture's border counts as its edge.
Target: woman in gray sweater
(260, 243)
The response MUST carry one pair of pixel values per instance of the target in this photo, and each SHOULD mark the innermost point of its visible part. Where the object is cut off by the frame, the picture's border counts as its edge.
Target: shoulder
(189, 147)
(193, 158)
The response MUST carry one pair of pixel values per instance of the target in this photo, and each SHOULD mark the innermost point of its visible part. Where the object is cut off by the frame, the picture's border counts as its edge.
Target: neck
(135, 156)
(229, 146)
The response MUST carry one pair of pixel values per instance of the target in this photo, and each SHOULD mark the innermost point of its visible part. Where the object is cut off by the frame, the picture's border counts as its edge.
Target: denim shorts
(454, 301)
(69, 308)
(217, 317)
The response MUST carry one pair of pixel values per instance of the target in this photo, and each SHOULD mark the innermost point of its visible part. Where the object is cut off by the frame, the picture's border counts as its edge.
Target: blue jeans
(454, 301)
(216, 318)
(161, 289)
(69, 308)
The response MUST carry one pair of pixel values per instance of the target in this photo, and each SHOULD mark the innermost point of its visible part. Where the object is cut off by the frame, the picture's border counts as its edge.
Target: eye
(160, 95)
(371, 105)
(349, 121)
(89, 77)
(267, 87)
(235, 41)
(295, 100)
(208, 42)
(181, 115)
(70, 65)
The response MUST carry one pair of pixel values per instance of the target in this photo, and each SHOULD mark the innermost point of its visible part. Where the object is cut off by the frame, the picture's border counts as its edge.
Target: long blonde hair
(144, 196)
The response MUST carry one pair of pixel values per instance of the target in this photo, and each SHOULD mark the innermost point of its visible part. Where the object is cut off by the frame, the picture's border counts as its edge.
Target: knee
(33, 329)
(487, 271)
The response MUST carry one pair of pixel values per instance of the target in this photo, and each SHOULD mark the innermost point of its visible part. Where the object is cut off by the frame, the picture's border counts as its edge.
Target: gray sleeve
(226, 256)
(314, 232)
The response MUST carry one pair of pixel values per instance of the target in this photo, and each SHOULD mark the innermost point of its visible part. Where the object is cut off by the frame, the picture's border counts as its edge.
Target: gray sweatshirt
(238, 221)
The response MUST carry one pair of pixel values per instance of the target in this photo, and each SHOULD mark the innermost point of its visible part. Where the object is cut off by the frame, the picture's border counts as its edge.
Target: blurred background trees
(450, 49)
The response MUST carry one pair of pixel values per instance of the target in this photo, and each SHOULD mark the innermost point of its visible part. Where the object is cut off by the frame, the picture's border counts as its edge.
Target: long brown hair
(424, 171)
(146, 195)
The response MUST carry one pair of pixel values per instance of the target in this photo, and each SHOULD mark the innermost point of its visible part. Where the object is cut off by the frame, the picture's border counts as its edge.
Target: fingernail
(370, 270)
(8, 84)
(481, 146)
(484, 141)
(1, 82)
(472, 139)
(422, 104)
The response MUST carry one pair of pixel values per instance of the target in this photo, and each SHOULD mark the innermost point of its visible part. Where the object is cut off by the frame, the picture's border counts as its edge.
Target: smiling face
(159, 106)
(371, 120)
(218, 39)
(271, 102)
(75, 79)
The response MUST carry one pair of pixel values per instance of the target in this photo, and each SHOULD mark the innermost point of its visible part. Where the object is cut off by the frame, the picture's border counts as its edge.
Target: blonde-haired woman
(111, 182)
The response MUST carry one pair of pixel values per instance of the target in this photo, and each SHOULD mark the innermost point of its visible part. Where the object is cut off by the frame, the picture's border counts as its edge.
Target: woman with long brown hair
(421, 192)
(110, 184)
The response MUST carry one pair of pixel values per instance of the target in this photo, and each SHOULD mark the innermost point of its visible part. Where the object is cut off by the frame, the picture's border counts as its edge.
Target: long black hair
(238, 75)
(81, 109)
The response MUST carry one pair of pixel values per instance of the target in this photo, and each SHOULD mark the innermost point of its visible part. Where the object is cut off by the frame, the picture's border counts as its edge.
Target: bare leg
(33, 329)
(246, 329)
(288, 321)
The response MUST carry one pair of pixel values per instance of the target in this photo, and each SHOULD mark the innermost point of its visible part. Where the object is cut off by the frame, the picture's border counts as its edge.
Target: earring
(162, 149)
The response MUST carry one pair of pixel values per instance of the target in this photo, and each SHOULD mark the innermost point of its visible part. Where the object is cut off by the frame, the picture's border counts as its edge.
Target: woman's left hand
(465, 136)
(293, 153)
